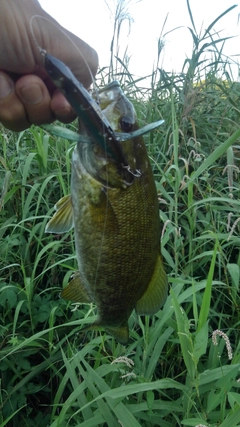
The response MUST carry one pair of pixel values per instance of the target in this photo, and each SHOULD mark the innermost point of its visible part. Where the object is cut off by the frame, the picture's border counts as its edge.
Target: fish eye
(126, 125)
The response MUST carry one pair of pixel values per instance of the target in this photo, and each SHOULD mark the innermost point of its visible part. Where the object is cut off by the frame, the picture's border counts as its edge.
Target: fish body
(116, 225)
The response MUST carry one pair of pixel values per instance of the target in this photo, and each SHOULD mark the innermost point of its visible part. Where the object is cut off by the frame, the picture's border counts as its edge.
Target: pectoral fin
(156, 293)
(75, 290)
(62, 220)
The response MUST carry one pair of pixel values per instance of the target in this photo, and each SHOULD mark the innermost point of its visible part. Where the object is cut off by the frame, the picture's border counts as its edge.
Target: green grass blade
(191, 16)
(218, 152)
(184, 336)
(205, 306)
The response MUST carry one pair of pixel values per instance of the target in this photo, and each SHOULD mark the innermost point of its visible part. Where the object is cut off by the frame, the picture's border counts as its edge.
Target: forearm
(29, 97)
(16, 34)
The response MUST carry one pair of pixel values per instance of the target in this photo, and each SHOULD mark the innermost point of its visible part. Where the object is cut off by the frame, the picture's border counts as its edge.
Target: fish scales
(117, 264)
(116, 225)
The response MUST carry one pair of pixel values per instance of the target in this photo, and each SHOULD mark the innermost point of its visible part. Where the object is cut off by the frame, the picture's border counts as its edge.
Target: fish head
(120, 114)
(117, 108)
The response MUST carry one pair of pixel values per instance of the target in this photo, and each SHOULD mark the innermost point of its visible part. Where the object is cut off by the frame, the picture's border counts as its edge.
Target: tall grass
(172, 373)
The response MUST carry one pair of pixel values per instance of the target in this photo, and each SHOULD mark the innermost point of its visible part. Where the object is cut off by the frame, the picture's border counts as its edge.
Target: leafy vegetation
(172, 373)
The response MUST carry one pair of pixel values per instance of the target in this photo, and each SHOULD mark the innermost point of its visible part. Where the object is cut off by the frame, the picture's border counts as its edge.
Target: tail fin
(120, 333)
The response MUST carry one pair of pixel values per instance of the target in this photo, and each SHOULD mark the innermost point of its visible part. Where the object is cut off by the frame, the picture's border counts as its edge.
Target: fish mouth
(87, 109)
(100, 116)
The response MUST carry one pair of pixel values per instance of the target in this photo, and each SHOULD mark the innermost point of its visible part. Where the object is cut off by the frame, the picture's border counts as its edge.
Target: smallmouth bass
(113, 208)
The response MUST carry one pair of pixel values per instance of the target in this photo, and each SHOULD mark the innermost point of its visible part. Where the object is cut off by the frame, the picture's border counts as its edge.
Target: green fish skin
(117, 227)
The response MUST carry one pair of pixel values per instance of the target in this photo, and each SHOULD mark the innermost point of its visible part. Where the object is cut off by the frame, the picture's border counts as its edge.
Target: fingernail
(6, 86)
(31, 94)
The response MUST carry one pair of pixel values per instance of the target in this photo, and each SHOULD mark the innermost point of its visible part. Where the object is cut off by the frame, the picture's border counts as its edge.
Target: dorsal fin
(156, 292)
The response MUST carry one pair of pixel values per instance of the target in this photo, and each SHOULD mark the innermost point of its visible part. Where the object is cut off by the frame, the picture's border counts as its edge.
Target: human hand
(27, 95)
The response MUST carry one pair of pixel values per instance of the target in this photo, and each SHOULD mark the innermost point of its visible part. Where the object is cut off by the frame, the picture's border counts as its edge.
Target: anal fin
(75, 291)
